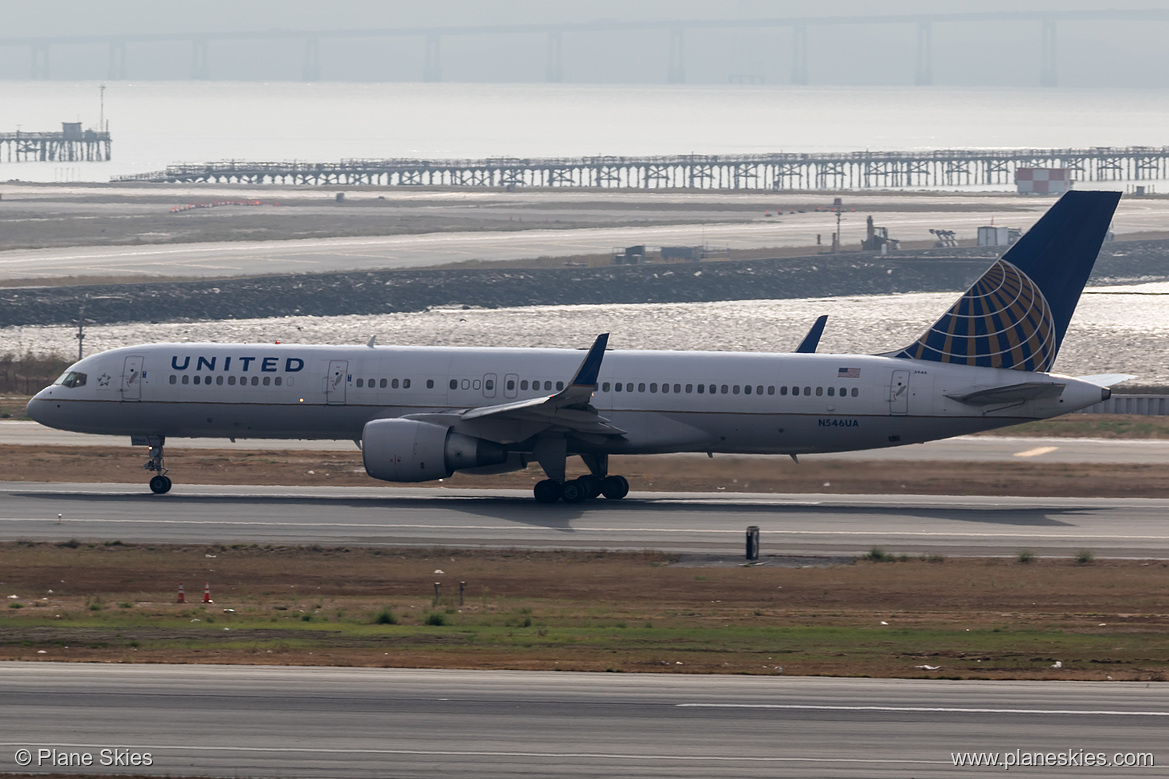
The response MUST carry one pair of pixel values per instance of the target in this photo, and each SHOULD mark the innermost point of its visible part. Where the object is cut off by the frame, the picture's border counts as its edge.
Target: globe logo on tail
(1003, 321)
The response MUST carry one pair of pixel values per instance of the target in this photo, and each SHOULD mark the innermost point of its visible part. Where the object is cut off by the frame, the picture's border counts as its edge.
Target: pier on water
(781, 171)
(72, 144)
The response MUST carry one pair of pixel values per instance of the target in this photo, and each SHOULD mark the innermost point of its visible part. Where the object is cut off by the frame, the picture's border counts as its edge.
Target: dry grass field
(881, 617)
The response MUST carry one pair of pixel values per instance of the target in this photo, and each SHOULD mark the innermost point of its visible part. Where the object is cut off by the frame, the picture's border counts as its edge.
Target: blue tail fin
(1016, 315)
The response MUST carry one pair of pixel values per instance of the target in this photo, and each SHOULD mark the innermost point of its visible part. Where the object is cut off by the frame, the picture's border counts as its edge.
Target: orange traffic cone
(207, 593)
(182, 596)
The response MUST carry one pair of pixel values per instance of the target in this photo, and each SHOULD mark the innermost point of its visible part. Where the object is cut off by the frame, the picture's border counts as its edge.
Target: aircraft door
(489, 382)
(132, 378)
(899, 393)
(335, 382)
(511, 383)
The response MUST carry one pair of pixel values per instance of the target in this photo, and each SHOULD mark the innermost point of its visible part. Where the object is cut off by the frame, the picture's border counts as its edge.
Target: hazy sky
(1120, 54)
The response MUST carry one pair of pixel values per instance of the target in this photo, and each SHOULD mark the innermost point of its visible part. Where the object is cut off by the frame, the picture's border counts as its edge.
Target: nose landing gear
(160, 483)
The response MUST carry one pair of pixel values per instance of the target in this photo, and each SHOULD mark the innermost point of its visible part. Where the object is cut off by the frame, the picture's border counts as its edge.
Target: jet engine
(409, 450)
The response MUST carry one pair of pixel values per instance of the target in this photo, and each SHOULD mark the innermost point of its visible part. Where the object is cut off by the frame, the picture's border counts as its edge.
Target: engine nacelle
(409, 450)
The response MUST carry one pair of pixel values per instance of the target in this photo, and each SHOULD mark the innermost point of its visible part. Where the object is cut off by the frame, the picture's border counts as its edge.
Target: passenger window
(771, 390)
(783, 390)
(394, 384)
(279, 380)
(231, 381)
(405, 384)
(430, 383)
(510, 384)
(360, 383)
(267, 380)
(370, 383)
(795, 390)
(476, 384)
(489, 385)
(173, 379)
(466, 384)
(382, 384)
(759, 389)
(819, 391)
(524, 384)
(701, 388)
(186, 379)
(641, 387)
(677, 388)
(843, 391)
(618, 387)
(219, 381)
(713, 389)
(854, 392)
(735, 390)
(653, 387)
(831, 391)
(605, 387)
(547, 386)
(747, 390)
(559, 385)
(197, 379)
(807, 391)
(725, 389)
(454, 384)
(255, 381)
(629, 387)
(689, 388)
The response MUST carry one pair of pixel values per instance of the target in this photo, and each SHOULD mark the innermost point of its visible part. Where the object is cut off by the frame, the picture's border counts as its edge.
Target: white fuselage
(663, 401)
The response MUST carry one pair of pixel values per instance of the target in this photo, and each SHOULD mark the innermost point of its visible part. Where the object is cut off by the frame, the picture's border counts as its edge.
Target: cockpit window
(71, 379)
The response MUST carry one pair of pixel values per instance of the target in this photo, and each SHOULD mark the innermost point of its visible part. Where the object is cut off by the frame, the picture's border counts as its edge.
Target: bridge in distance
(677, 30)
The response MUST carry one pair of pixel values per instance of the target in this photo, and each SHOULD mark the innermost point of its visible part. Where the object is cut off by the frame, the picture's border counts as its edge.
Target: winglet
(586, 375)
(812, 339)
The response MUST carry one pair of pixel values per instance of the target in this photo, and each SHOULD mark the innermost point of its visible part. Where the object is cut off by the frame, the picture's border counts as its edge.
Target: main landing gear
(583, 488)
(160, 483)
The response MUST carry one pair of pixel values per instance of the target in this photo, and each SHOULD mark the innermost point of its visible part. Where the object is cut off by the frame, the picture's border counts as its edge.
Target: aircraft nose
(36, 408)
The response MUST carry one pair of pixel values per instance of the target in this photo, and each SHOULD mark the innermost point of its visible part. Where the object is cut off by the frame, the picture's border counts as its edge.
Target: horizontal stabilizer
(1012, 393)
(1106, 379)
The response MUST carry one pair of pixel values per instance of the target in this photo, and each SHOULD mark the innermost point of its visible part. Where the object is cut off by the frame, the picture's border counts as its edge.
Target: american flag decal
(848, 373)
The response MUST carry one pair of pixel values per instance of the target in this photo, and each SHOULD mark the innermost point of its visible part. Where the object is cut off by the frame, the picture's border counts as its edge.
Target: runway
(333, 722)
(961, 449)
(694, 523)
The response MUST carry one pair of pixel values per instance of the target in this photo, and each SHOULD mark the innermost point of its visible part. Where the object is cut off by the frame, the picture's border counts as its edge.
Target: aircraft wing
(568, 410)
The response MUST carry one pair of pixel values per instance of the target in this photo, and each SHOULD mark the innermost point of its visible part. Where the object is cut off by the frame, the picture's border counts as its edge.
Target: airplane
(423, 413)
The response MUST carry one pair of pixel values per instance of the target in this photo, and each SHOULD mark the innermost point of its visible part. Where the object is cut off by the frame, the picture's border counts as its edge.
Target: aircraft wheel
(592, 485)
(575, 491)
(547, 491)
(615, 487)
(160, 485)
